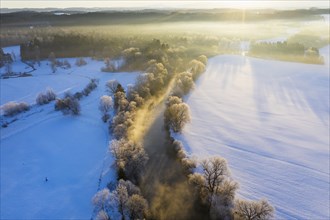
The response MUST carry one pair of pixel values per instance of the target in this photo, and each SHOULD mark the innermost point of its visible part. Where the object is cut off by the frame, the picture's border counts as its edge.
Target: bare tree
(52, 60)
(111, 86)
(253, 210)
(80, 62)
(105, 106)
(8, 68)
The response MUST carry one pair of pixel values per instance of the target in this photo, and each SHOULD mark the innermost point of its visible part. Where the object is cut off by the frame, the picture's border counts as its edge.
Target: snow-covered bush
(105, 106)
(13, 108)
(45, 98)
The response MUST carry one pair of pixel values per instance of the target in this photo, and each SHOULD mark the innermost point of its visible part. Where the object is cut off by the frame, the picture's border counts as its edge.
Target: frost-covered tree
(253, 210)
(125, 202)
(122, 198)
(215, 186)
(101, 200)
(105, 106)
(176, 115)
(137, 207)
(130, 158)
(196, 68)
(142, 84)
(203, 59)
(102, 215)
(188, 163)
(184, 84)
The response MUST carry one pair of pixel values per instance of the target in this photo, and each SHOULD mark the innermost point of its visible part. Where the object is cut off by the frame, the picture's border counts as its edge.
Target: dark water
(164, 184)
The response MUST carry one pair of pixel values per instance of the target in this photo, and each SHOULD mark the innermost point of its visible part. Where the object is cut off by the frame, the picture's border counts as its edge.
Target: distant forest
(24, 18)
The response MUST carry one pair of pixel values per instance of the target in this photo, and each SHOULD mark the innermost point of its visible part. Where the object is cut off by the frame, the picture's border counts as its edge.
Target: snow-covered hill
(71, 151)
(270, 120)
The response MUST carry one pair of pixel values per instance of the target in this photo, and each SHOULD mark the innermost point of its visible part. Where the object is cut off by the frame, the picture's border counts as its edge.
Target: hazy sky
(289, 4)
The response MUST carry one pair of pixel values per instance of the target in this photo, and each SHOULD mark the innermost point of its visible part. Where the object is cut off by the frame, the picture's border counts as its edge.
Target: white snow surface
(71, 151)
(270, 120)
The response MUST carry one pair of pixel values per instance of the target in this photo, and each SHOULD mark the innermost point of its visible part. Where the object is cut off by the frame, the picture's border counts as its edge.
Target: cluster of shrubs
(45, 98)
(68, 105)
(153, 81)
(109, 67)
(90, 87)
(123, 202)
(14, 108)
(63, 64)
(87, 90)
(126, 104)
(131, 157)
(80, 62)
(126, 111)
(54, 63)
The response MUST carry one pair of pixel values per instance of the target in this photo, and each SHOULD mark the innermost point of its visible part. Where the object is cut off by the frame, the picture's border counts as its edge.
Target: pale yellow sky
(289, 4)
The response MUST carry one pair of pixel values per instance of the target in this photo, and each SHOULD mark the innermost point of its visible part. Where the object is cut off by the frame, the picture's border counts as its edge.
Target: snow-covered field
(270, 120)
(71, 151)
